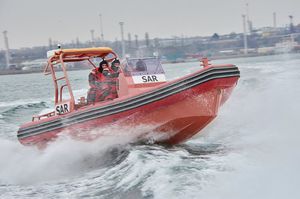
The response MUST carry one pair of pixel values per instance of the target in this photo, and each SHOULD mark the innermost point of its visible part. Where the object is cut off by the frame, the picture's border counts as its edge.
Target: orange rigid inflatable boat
(176, 109)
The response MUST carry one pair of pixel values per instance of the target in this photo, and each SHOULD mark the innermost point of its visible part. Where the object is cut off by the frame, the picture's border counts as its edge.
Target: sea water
(251, 150)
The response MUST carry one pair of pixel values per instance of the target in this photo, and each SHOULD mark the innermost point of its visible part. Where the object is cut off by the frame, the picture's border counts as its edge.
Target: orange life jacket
(114, 83)
(100, 89)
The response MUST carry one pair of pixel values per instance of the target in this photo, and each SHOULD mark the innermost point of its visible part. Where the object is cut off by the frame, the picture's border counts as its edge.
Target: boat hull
(172, 113)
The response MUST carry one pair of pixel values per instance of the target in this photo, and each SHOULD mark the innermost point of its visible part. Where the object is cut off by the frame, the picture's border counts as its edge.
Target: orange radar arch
(72, 55)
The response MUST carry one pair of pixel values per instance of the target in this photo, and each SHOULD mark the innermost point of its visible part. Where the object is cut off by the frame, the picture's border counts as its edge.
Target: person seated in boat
(129, 67)
(115, 71)
(115, 66)
(140, 65)
(100, 84)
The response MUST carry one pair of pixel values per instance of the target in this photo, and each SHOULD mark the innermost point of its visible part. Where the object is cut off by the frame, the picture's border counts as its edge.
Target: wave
(19, 103)
(66, 157)
(32, 106)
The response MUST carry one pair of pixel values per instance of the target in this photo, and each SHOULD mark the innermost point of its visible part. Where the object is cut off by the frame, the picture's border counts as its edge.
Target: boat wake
(63, 159)
(67, 157)
(17, 103)
(16, 109)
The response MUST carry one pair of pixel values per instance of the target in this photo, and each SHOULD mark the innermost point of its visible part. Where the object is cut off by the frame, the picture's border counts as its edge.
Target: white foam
(80, 92)
(261, 131)
(63, 158)
(19, 102)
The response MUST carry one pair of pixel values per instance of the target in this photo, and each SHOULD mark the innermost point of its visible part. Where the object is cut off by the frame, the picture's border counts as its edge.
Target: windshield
(142, 66)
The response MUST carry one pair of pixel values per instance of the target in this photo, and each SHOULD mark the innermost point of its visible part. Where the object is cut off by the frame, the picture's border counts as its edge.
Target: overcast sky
(32, 22)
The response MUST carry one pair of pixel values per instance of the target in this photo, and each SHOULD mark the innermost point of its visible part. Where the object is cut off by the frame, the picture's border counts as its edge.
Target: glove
(106, 73)
(114, 75)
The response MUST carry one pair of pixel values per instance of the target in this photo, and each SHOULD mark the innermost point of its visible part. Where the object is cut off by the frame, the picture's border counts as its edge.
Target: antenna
(122, 37)
(136, 41)
(137, 45)
(291, 18)
(101, 28)
(129, 41)
(50, 43)
(291, 24)
(7, 54)
(93, 38)
(247, 12)
(249, 22)
(274, 20)
(245, 35)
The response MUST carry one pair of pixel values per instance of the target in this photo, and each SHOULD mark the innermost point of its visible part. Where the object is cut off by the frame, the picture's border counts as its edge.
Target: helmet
(100, 69)
(115, 61)
(113, 66)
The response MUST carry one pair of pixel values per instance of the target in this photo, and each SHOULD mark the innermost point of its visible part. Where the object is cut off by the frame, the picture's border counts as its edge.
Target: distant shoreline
(17, 72)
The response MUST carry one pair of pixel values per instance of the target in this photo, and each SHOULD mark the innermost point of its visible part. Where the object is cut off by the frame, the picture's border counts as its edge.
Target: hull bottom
(182, 129)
